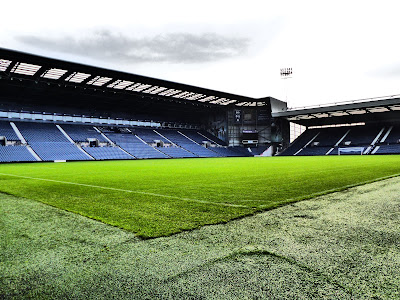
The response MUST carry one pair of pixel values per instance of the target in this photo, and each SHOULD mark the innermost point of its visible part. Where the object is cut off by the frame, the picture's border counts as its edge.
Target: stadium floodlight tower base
(350, 150)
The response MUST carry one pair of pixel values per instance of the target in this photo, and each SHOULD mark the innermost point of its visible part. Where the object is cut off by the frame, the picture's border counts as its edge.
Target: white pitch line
(127, 191)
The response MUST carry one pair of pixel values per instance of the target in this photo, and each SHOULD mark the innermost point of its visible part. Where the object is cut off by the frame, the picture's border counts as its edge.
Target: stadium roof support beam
(11, 66)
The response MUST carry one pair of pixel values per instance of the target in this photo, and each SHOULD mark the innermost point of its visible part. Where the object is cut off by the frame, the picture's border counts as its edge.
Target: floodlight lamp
(286, 72)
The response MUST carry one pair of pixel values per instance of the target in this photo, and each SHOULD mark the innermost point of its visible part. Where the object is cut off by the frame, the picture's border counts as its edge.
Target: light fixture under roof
(4, 64)
(123, 84)
(154, 90)
(222, 101)
(196, 97)
(181, 95)
(229, 102)
(77, 77)
(357, 111)
(209, 98)
(138, 87)
(54, 73)
(339, 113)
(188, 95)
(218, 101)
(378, 109)
(170, 92)
(305, 117)
(64, 73)
(99, 81)
(25, 69)
(321, 115)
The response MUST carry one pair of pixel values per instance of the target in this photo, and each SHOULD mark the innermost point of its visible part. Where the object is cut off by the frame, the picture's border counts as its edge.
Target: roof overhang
(15, 65)
(375, 109)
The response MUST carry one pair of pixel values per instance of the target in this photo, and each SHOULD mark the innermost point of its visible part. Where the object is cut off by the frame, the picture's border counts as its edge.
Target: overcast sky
(339, 50)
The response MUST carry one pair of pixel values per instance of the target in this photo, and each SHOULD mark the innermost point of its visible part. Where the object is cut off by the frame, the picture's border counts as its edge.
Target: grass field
(155, 198)
(342, 245)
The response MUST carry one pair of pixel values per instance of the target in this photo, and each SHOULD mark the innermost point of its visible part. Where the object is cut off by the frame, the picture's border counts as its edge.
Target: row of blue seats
(104, 153)
(320, 141)
(15, 154)
(7, 131)
(49, 151)
(40, 132)
(82, 132)
(187, 144)
(50, 143)
(388, 149)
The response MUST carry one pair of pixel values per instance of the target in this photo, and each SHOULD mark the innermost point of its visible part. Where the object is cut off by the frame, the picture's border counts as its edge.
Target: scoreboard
(252, 116)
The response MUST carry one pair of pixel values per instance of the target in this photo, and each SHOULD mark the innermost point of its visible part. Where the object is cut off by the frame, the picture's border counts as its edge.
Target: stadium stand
(11, 149)
(388, 149)
(361, 135)
(15, 154)
(241, 151)
(183, 141)
(393, 135)
(49, 143)
(103, 150)
(314, 150)
(91, 98)
(299, 143)
(195, 136)
(8, 132)
(216, 145)
(324, 142)
(148, 135)
(132, 144)
(107, 152)
(49, 151)
(176, 151)
(365, 139)
(256, 150)
(81, 133)
(230, 151)
(390, 142)
(211, 138)
(161, 143)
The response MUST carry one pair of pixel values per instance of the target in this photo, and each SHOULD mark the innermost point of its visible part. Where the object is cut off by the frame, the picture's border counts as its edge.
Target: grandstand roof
(25, 66)
(363, 110)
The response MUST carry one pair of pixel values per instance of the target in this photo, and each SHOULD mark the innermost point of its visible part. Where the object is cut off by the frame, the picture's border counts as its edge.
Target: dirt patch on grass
(343, 245)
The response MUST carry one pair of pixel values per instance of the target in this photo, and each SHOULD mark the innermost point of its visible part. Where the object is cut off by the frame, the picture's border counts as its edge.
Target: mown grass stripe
(128, 191)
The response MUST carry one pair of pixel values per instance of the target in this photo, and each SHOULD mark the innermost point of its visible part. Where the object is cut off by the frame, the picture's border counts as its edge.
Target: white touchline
(127, 191)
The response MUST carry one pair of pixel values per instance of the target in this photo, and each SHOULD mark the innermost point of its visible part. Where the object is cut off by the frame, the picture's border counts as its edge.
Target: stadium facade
(366, 126)
(47, 104)
(58, 110)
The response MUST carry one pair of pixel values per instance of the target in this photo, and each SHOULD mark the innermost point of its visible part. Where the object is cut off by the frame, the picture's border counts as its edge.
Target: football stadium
(117, 185)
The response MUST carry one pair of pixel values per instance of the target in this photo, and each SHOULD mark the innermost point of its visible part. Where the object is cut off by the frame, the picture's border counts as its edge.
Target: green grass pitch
(155, 198)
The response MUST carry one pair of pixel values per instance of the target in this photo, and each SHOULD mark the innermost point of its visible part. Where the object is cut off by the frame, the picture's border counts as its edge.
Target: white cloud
(339, 50)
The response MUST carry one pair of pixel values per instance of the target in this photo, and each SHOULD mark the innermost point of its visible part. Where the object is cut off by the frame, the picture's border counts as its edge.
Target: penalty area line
(127, 191)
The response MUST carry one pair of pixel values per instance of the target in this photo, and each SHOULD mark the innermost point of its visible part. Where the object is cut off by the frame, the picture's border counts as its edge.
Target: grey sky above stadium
(339, 50)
